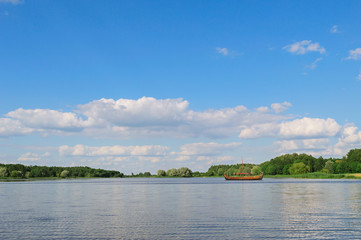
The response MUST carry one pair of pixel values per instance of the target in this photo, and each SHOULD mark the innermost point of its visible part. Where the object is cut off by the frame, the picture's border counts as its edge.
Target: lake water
(193, 208)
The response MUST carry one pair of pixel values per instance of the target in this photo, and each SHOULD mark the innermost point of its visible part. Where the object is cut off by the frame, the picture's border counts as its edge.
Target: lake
(181, 208)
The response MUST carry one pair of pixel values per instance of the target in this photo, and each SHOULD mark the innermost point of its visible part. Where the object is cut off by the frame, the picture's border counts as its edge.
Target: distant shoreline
(302, 176)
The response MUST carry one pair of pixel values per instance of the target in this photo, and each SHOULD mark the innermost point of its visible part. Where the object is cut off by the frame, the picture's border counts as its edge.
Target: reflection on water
(196, 208)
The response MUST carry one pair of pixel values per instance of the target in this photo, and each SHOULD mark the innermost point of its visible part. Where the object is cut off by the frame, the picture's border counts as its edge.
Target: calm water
(196, 208)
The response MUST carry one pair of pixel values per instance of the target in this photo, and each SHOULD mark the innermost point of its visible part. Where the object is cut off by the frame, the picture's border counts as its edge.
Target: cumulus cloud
(260, 131)
(303, 47)
(304, 145)
(33, 156)
(280, 107)
(116, 150)
(354, 54)
(207, 148)
(309, 128)
(144, 117)
(46, 119)
(146, 111)
(223, 51)
(217, 159)
(262, 109)
(334, 29)
(209, 152)
(12, 127)
(168, 117)
(350, 136)
(298, 128)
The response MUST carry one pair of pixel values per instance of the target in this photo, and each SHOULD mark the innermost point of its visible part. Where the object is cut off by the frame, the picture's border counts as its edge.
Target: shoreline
(302, 176)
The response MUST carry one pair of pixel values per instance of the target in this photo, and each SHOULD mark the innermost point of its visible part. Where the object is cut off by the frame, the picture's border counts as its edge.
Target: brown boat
(243, 176)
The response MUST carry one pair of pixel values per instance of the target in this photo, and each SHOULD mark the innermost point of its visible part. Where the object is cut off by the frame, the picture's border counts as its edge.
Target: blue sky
(145, 85)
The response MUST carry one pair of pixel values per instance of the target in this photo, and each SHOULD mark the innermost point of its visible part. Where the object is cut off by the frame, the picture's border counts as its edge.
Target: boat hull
(258, 177)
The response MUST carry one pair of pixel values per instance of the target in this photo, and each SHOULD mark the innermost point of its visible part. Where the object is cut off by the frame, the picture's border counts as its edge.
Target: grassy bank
(319, 175)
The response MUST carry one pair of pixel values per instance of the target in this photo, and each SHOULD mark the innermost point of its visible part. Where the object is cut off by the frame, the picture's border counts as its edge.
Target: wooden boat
(243, 176)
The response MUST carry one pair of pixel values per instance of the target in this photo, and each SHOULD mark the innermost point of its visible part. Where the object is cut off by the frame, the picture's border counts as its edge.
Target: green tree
(64, 174)
(220, 171)
(270, 170)
(16, 174)
(3, 172)
(147, 174)
(318, 164)
(342, 167)
(299, 168)
(184, 172)
(328, 166)
(172, 172)
(354, 155)
(161, 173)
(285, 170)
(256, 170)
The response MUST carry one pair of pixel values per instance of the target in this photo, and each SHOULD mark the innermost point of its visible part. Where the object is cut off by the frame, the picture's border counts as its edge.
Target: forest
(295, 164)
(22, 171)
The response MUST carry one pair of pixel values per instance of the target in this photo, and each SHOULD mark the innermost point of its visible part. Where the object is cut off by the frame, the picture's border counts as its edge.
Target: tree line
(291, 164)
(287, 164)
(22, 171)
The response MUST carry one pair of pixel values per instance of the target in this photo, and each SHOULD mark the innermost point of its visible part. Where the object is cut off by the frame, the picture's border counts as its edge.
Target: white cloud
(334, 29)
(47, 119)
(206, 149)
(33, 156)
(12, 127)
(280, 107)
(298, 128)
(262, 109)
(309, 128)
(303, 144)
(116, 150)
(146, 111)
(134, 155)
(350, 136)
(314, 64)
(223, 51)
(14, 2)
(260, 131)
(303, 47)
(354, 54)
(170, 117)
(217, 159)
(142, 118)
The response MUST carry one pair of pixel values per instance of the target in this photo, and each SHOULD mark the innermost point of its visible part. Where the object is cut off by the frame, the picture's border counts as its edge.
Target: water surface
(177, 208)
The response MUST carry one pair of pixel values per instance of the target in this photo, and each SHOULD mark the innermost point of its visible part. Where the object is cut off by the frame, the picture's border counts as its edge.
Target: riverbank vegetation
(287, 165)
(17, 171)
(303, 166)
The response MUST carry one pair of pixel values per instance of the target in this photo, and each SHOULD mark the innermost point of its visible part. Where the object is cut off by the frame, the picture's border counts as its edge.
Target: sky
(139, 86)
